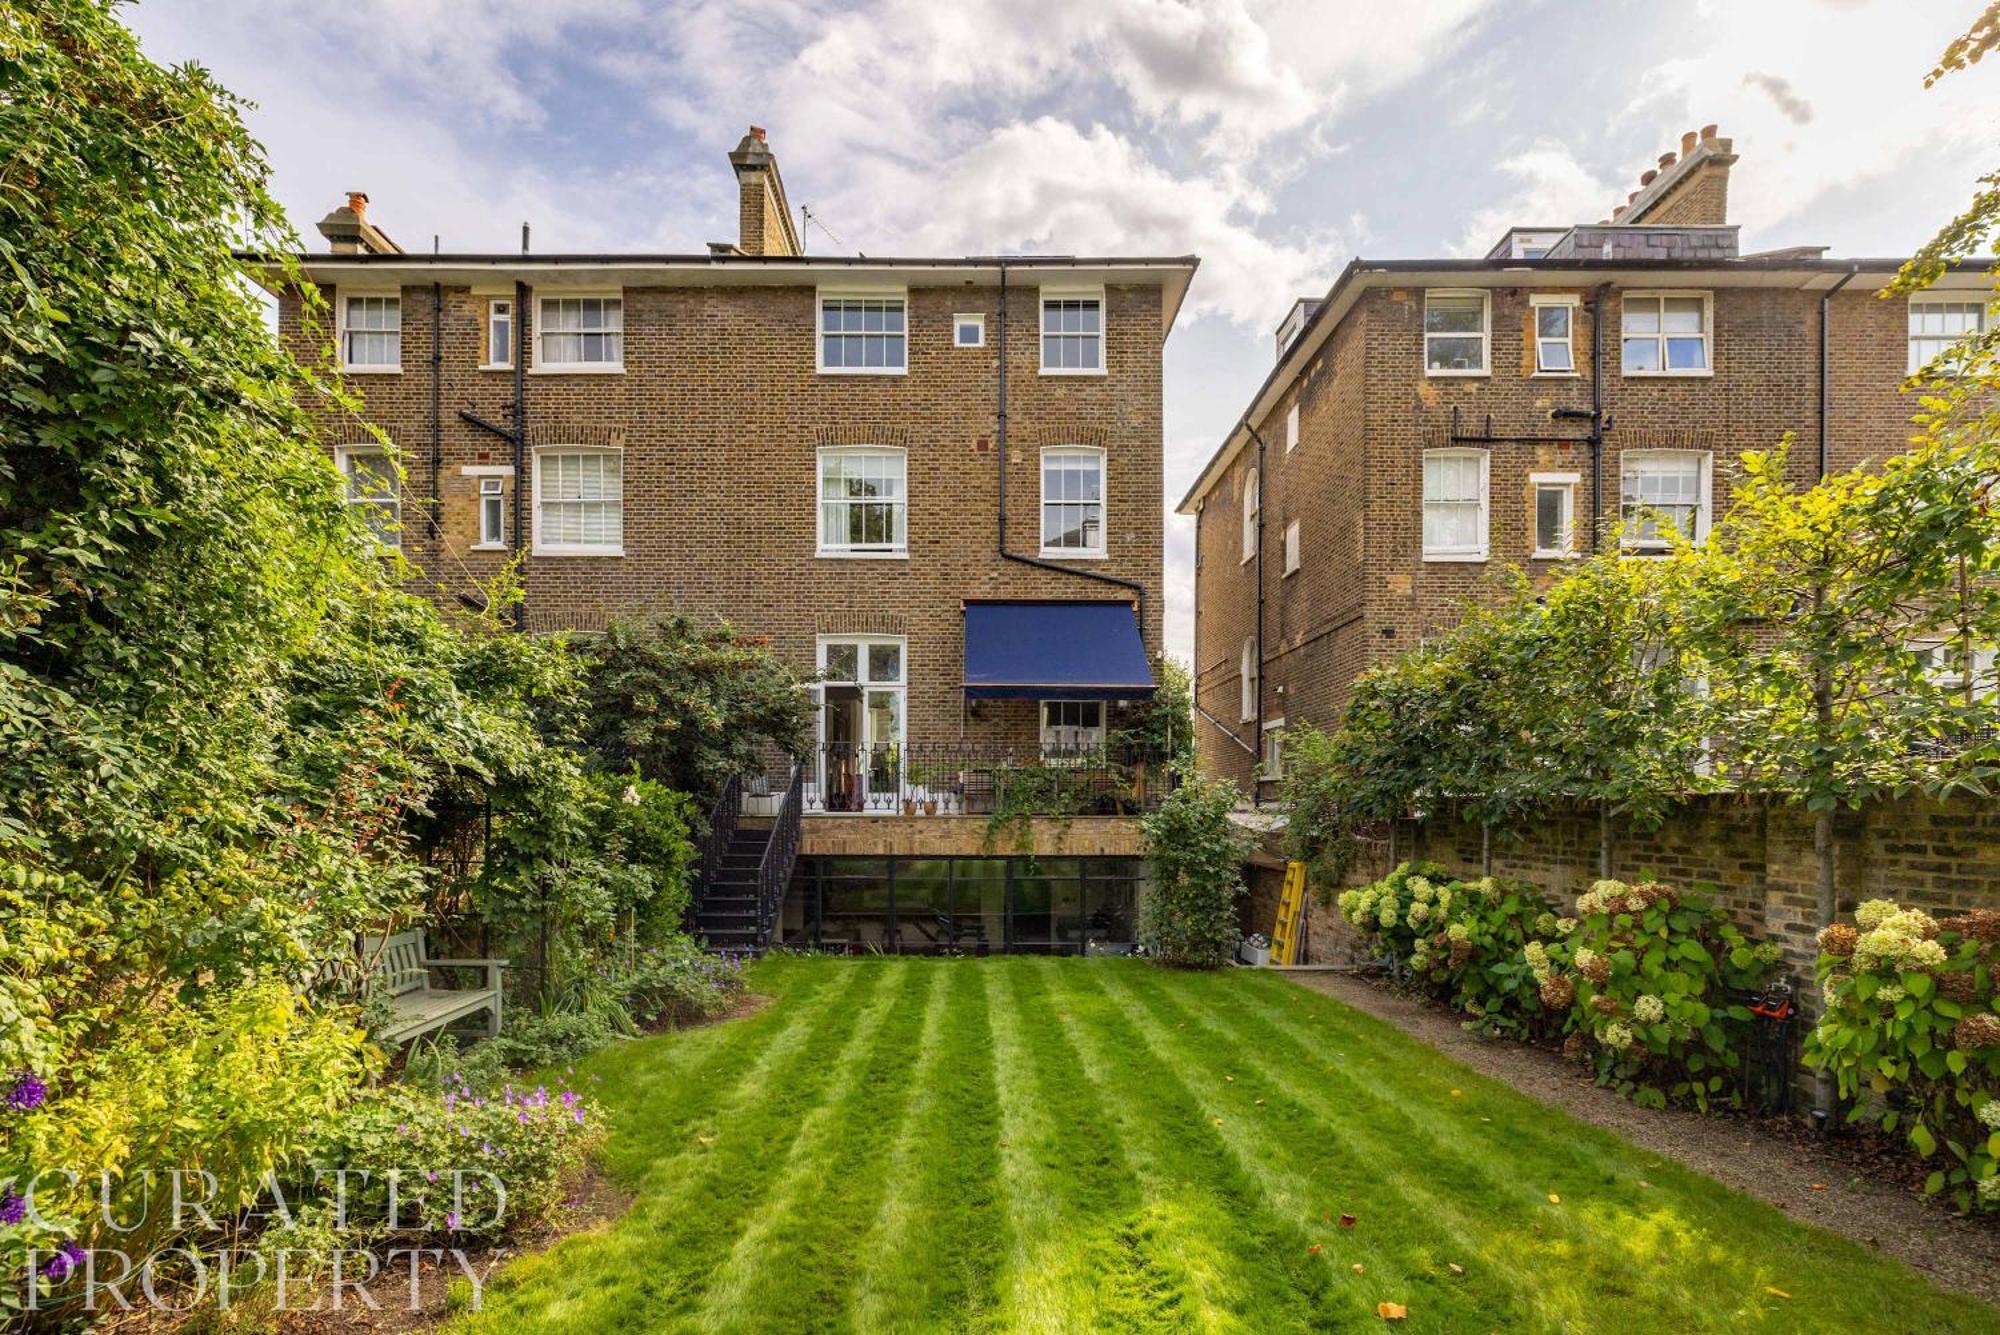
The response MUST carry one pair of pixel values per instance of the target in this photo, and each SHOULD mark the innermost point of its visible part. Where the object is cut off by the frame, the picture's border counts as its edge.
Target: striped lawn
(1099, 1145)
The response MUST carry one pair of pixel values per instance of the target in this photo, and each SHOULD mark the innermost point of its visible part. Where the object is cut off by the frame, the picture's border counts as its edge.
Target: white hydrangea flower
(1874, 912)
(1564, 926)
(1989, 1113)
(1925, 955)
(1420, 889)
(1418, 913)
(1458, 931)
(1989, 1191)
(1387, 914)
(1617, 1036)
(1537, 956)
(1585, 959)
(1649, 1009)
(1890, 993)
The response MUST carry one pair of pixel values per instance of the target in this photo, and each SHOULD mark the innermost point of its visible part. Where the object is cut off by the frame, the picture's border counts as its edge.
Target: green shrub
(1400, 910)
(1911, 1034)
(1188, 917)
(528, 1140)
(1644, 971)
(677, 983)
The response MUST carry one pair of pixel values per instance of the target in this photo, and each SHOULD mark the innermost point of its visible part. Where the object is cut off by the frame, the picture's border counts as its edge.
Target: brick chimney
(1688, 190)
(348, 231)
(764, 219)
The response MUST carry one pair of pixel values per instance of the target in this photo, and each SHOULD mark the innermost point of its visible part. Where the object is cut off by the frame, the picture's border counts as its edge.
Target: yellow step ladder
(1291, 908)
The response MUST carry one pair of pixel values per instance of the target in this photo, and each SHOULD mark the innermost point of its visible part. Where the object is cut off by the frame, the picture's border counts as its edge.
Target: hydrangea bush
(1645, 972)
(1463, 940)
(1911, 1030)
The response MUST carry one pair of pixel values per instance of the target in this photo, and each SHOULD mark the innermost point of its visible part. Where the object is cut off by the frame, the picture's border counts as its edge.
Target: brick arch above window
(1054, 433)
(891, 435)
(546, 431)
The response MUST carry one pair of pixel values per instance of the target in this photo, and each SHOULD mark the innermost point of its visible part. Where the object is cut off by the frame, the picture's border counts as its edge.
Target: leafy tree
(171, 528)
(1160, 729)
(1188, 917)
(688, 705)
(1611, 692)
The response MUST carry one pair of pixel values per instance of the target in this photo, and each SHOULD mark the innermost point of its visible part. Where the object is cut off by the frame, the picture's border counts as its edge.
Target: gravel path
(1807, 1182)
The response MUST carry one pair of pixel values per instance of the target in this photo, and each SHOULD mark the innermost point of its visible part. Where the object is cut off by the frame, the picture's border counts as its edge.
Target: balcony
(981, 779)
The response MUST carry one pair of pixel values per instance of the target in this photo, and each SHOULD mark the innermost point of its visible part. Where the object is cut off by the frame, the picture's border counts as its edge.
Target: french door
(862, 695)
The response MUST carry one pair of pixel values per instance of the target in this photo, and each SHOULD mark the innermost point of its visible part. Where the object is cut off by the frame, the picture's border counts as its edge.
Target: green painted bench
(403, 971)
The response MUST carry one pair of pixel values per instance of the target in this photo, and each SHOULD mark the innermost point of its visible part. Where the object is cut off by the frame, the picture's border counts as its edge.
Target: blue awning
(1055, 651)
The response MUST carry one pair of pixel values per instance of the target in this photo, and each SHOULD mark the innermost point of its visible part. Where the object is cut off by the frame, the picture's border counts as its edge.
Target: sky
(1275, 140)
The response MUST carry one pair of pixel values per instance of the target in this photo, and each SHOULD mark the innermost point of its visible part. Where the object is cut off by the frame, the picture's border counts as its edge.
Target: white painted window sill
(827, 554)
(618, 369)
(579, 551)
(1459, 558)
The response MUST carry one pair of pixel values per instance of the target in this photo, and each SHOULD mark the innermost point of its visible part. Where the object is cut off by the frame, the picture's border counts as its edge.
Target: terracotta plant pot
(909, 806)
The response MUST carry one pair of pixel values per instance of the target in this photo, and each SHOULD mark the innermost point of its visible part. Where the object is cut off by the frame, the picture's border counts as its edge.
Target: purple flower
(432, 1175)
(28, 1092)
(13, 1208)
(451, 1221)
(67, 1258)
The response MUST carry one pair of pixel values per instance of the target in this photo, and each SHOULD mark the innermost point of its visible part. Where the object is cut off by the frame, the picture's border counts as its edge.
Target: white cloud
(1550, 187)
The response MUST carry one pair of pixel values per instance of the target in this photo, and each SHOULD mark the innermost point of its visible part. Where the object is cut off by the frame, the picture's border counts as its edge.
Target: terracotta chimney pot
(357, 201)
(1615, 213)
(1687, 142)
(1647, 178)
(1708, 132)
(758, 132)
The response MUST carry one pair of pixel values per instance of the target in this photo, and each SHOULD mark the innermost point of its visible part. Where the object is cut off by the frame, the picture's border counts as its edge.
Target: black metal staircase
(745, 871)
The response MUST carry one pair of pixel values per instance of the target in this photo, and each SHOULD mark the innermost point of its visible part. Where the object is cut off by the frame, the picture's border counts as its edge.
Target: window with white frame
(1072, 333)
(1070, 727)
(1455, 521)
(1555, 327)
(1936, 325)
(1250, 512)
(1662, 492)
(1248, 676)
(1555, 514)
(373, 483)
(492, 512)
(1271, 764)
(581, 333)
(371, 333)
(863, 508)
(1455, 333)
(1292, 429)
(968, 331)
(500, 333)
(1292, 547)
(863, 335)
(1073, 502)
(1946, 665)
(1665, 333)
(579, 502)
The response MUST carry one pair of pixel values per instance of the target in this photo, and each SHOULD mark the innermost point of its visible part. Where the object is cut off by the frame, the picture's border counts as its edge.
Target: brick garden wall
(1939, 856)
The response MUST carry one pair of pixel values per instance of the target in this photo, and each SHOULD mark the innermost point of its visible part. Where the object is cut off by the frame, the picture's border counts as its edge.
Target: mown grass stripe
(1247, 1268)
(1075, 1260)
(932, 1254)
(795, 1257)
(1314, 1169)
(703, 1175)
(1682, 1250)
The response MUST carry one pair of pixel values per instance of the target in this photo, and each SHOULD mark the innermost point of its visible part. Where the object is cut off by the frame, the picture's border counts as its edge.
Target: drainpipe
(520, 428)
(1257, 738)
(1825, 386)
(1137, 589)
(437, 424)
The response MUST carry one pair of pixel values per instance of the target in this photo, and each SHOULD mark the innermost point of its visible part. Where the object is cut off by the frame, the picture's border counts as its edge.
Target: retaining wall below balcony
(969, 836)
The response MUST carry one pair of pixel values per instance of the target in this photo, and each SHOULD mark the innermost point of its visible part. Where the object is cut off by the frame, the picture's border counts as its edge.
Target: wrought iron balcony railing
(979, 778)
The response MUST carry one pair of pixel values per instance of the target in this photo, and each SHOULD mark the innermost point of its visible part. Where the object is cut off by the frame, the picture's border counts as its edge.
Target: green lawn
(1090, 1145)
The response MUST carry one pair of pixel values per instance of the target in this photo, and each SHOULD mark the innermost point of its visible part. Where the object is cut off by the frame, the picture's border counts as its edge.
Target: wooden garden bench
(403, 971)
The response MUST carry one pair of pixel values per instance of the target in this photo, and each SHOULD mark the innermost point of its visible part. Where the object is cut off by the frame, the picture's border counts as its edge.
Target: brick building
(934, 484)
(1429, 420)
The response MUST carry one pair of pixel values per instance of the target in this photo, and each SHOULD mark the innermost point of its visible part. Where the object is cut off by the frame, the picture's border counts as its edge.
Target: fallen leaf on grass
(1391, 1311)
(1347, 1221)
(1454, 1093)
(1644, 1183)
(706, 1140)
(1360, 1269)
(1230, 1078)
(1555, 1199)
(1313, 1250)
(1779, 1293)
(1218, 1121)
(1454, 1267)
(1819, 1186)
(1260, 1103)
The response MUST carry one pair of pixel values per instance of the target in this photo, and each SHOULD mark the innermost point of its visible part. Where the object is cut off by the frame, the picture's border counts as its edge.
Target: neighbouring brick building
(932, 483)
(1430, 420)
